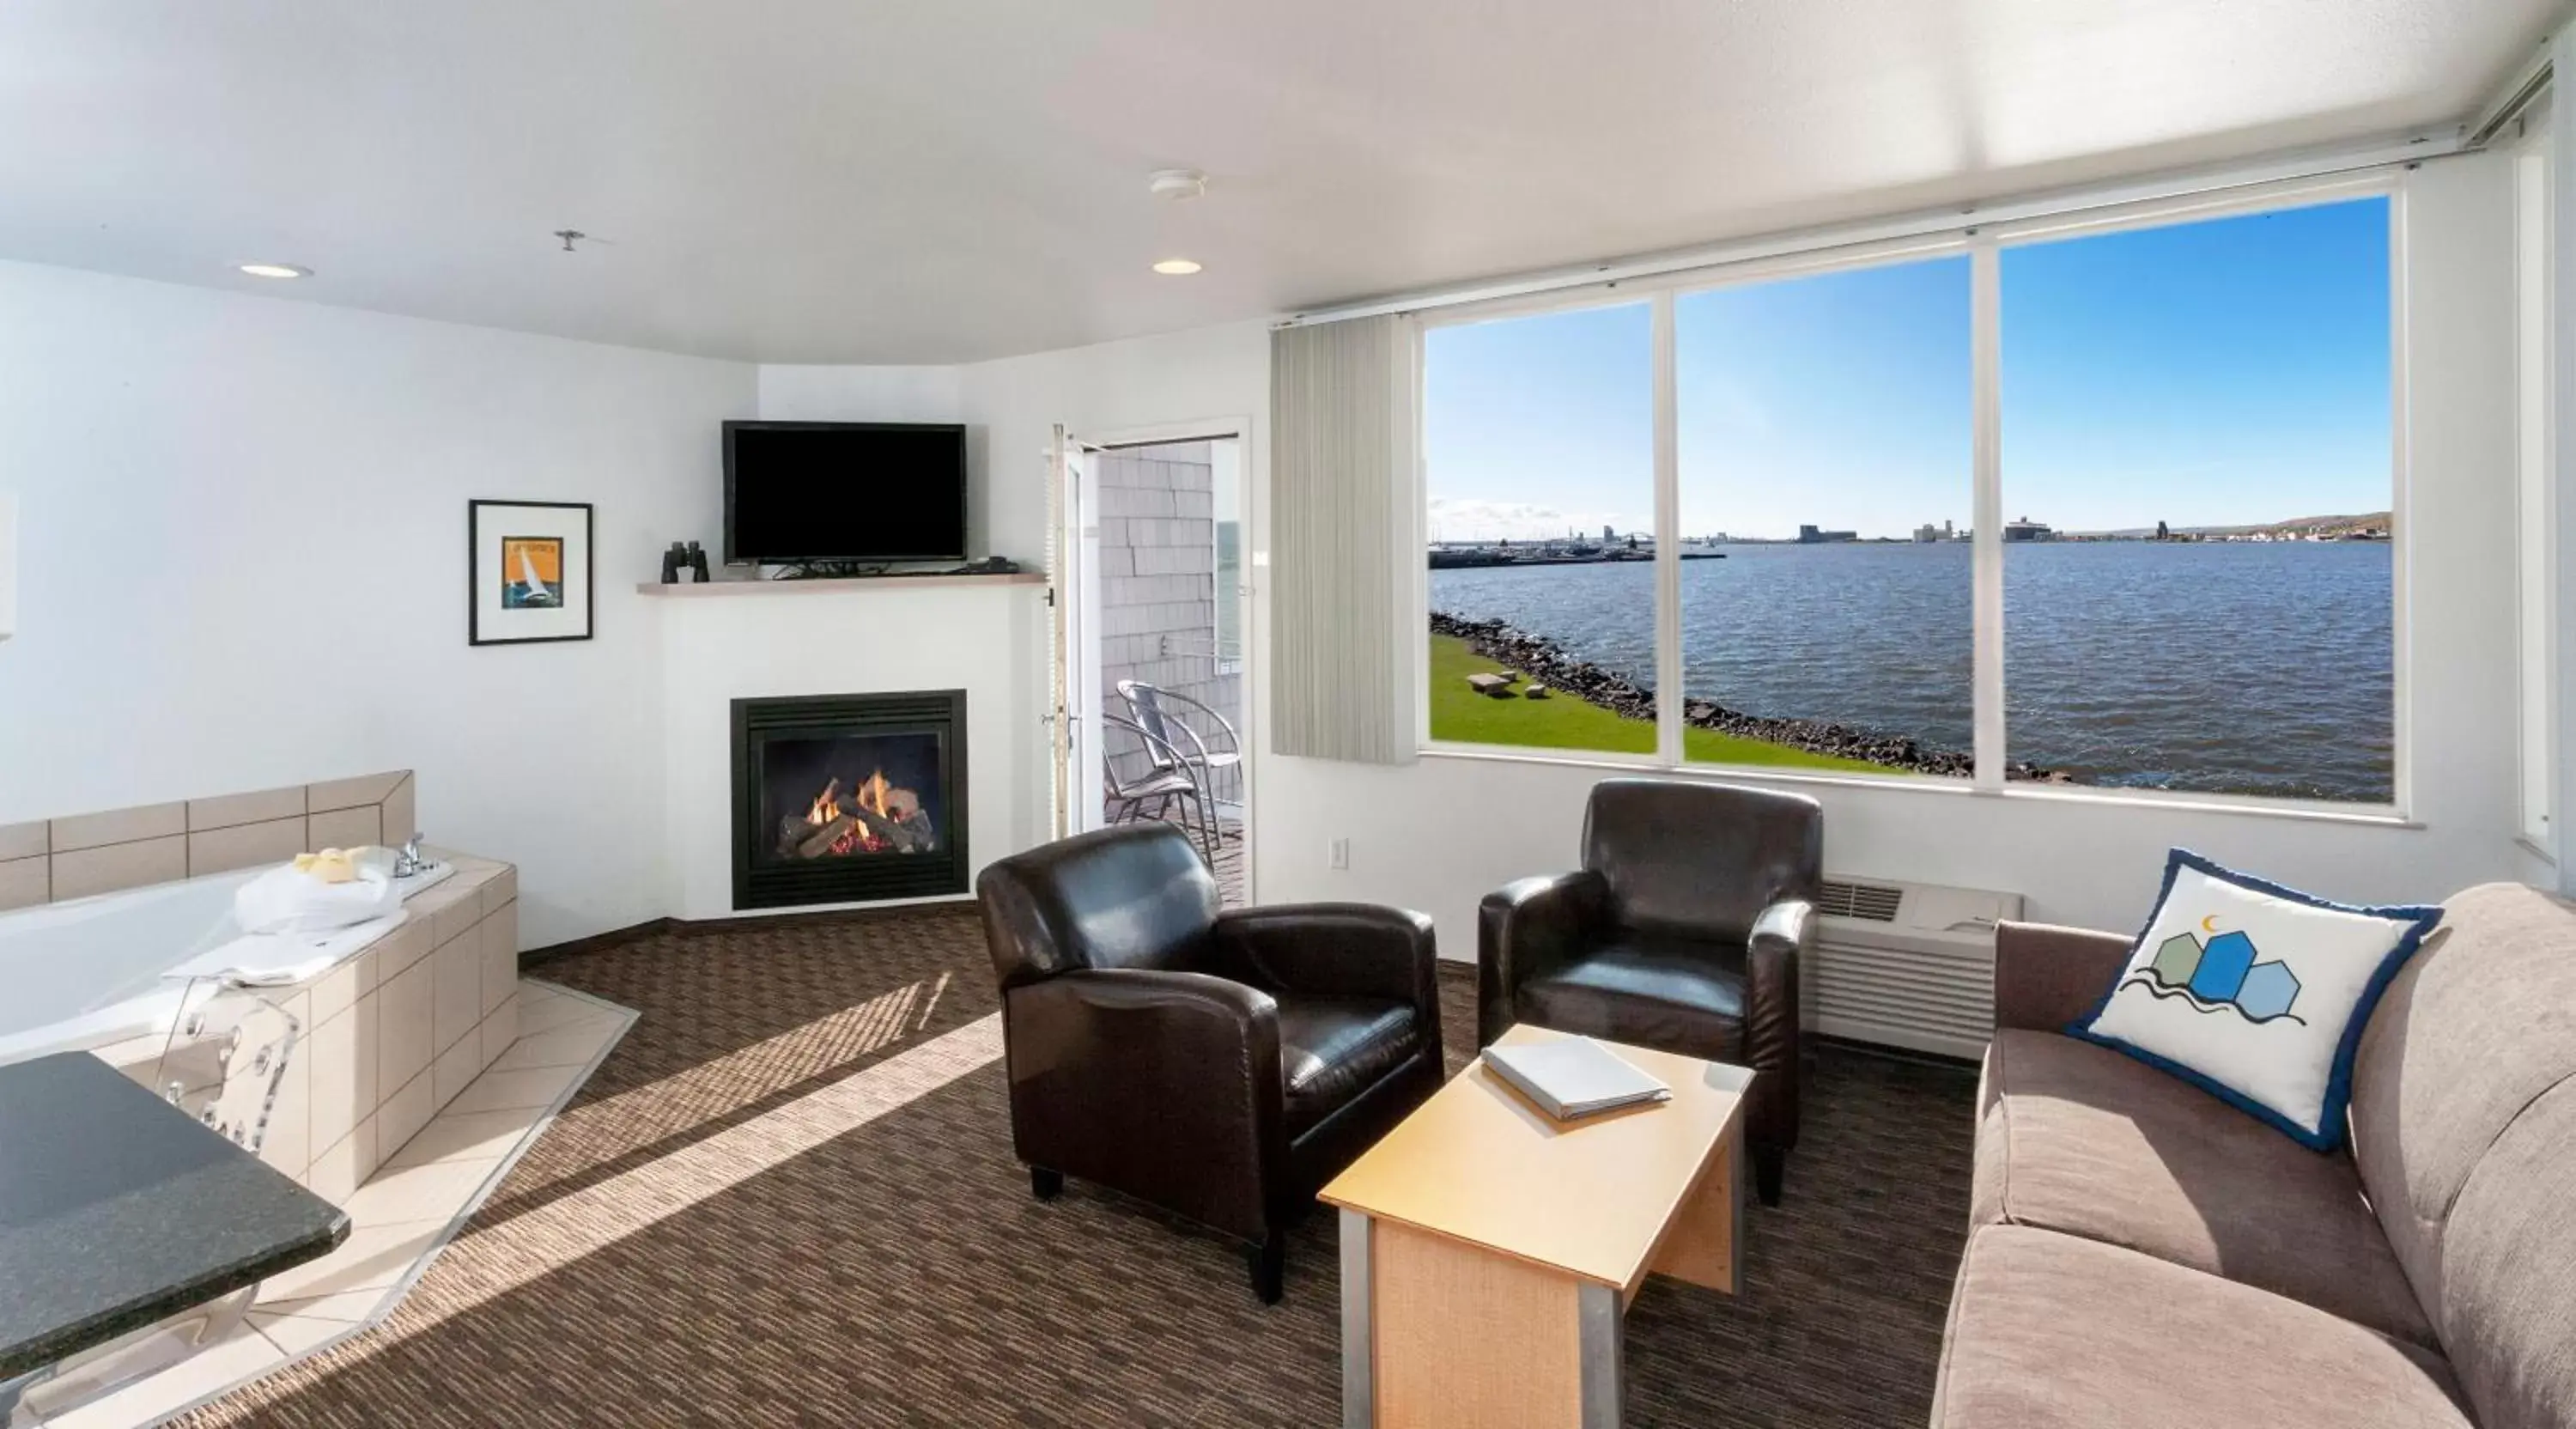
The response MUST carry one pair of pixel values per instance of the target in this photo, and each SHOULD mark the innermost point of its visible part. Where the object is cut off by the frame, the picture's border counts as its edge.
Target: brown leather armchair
(1223, 1065)
(1683, 932)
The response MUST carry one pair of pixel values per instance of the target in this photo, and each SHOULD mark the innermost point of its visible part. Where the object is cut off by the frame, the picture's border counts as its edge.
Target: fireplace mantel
(832, 585)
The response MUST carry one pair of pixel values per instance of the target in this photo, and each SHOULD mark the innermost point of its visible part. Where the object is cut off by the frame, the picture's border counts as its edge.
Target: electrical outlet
(1339, 854)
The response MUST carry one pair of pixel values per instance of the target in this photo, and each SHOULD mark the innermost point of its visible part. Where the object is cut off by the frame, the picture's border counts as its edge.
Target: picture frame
(529, 572)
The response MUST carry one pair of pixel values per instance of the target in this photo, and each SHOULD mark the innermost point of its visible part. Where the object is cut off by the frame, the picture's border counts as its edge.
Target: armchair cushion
(1332, 1048)
(1340, 949)
(1674, 993)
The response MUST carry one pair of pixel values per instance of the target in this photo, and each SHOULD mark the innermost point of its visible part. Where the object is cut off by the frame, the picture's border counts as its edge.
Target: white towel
(284, 900)
(278, 959)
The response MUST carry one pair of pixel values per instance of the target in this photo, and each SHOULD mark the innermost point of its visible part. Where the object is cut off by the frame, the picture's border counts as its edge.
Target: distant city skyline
(2226, 373)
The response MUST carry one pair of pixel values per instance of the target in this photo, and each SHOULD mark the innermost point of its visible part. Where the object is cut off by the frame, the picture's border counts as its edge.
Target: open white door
(1074, 492)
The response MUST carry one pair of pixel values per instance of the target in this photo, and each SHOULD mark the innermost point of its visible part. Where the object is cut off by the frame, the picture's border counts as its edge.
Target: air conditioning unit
(1907, 965)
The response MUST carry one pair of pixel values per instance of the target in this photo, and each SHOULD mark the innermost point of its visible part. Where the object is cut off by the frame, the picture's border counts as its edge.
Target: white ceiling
(946, 180)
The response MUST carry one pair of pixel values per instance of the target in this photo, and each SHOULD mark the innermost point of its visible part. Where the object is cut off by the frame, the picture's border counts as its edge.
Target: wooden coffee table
(1489, 1252)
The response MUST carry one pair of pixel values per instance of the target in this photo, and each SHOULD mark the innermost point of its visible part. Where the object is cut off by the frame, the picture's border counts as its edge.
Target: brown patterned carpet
(779, 1202)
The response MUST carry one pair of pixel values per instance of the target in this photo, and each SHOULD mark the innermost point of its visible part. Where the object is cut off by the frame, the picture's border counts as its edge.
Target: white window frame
(1984, 246)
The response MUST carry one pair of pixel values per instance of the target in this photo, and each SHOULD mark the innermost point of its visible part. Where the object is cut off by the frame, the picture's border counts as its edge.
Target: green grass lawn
(1564, 722)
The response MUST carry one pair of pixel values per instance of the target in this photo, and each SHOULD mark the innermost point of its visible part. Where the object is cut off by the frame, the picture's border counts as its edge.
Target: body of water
(2221, 667)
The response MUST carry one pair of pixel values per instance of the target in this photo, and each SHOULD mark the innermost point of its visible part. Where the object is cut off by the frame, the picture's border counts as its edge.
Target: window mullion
(1985, 301)
(1669, 693)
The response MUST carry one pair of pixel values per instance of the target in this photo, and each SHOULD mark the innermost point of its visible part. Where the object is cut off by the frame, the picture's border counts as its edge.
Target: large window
(2189, 580)
(1826, 589)
(1538, 455)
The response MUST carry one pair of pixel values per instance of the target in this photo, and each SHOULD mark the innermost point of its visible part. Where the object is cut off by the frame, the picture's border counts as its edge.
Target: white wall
(243, 539)
(1437, 834)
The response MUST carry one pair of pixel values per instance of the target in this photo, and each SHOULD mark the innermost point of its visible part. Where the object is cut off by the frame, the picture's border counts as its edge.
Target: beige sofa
(2142, 1254)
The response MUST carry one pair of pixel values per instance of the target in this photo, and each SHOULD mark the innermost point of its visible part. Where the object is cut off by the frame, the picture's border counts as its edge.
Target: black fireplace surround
(849, 798)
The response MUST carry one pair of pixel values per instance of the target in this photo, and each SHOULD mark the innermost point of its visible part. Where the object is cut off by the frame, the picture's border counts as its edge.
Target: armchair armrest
(1162, 1084)
(1526, 928)
(1786, 927)
(1347, 949)
(2047, 977)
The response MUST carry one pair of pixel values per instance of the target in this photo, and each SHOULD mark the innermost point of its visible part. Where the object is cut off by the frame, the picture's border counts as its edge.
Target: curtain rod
(2308, 164)
(2530, 82)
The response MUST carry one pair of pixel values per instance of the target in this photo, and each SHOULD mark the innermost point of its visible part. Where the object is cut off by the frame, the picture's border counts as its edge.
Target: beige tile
(400, 817)
(500, 955)
(402, 947)
(288, 1144)
(372, 1258)
(454, 1068)
(219, 1366)
(403, 1010)
(349, 1307)
(260, 808)
(346, 828)
(575, 1045)
(296, 1335)
(503, 1091)
(434, 1190)
(119, 826)
(547, 1014)
(25, 882)
(458, 999)
(335, 1175)
(456, 918)
(339, 989)
(24, 840)
(345, 1060)
(350, 793)
(503, 888)
(468, 1136)
(114, 866)
(403, 1115)
(137, 1057)
(245, 846)
(500, 1029)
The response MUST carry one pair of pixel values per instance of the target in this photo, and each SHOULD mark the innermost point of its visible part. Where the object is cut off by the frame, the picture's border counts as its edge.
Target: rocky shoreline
(1547, 663)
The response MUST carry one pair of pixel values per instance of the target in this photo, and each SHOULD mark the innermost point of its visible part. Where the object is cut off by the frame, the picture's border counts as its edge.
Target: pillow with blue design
(2255, 993)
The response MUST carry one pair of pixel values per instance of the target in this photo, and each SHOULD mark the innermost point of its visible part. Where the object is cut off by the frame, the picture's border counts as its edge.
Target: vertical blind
(1343, 522)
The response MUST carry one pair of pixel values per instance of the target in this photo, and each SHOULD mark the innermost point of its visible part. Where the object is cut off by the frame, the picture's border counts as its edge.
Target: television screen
(798, 492)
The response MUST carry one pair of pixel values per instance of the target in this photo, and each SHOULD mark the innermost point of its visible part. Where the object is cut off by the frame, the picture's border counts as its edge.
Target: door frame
(1252, 558)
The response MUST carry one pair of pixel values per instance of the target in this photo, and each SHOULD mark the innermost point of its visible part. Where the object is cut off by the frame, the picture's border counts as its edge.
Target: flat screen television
(814, 493)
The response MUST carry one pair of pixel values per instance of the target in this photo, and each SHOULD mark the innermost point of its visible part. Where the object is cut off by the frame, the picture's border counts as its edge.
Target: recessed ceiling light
(276, 270)
(1176, 184)
(1176, 267)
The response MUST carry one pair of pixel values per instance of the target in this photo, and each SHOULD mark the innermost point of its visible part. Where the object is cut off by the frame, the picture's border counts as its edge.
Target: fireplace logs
(877, 818)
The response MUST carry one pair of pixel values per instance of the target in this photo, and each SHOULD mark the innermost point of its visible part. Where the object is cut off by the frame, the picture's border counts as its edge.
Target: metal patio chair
(1191, 752)
(1166, 780)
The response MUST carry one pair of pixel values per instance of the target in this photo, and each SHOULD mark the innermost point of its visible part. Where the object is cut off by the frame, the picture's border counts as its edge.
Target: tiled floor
(399, 1219)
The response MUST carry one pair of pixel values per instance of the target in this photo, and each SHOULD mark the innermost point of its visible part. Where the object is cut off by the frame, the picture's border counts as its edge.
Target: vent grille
(1872, 901)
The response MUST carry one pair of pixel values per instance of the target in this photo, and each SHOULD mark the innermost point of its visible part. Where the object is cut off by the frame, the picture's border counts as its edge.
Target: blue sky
(2219, 373)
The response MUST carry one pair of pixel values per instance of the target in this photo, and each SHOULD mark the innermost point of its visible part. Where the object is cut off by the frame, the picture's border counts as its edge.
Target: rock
(1535, 692)
(1490, 684)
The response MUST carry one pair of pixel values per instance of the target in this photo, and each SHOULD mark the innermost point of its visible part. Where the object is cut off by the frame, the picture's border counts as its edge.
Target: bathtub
(95, 971)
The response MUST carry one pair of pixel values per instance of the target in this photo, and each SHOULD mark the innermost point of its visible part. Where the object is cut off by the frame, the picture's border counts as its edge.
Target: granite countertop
(117, 1209)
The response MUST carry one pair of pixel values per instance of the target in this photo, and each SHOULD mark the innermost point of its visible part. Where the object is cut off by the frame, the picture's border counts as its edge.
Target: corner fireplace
(849, 798)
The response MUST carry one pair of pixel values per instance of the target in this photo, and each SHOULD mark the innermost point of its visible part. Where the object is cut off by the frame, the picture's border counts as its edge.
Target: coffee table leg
(1597, 1317)
(1359, 1348)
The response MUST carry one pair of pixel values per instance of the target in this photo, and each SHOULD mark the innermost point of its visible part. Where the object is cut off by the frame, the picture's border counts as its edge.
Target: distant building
(1810, 536)
(2026, 529)
(1927, 532)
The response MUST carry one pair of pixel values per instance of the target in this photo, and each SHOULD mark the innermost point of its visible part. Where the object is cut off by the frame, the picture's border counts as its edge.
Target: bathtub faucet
(409, 861)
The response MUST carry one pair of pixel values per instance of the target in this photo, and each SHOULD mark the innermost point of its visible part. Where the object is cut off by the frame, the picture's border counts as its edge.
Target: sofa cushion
(2469, 1036)
(2509, 1272)
(2052, 1330)
(1672, 993)
(1333, 1048)
(2077, 1138)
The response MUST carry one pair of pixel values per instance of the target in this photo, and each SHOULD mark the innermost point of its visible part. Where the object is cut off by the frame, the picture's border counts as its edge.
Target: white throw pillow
(2255, 993)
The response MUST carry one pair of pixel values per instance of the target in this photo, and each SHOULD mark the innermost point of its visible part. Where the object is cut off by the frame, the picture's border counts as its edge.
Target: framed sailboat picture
(529, 571)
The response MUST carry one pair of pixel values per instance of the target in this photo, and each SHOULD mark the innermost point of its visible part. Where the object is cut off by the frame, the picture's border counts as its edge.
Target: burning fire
(870, 796)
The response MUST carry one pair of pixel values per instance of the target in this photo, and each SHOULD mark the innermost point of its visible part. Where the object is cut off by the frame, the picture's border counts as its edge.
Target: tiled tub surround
(55, 860)
(392, 1033)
